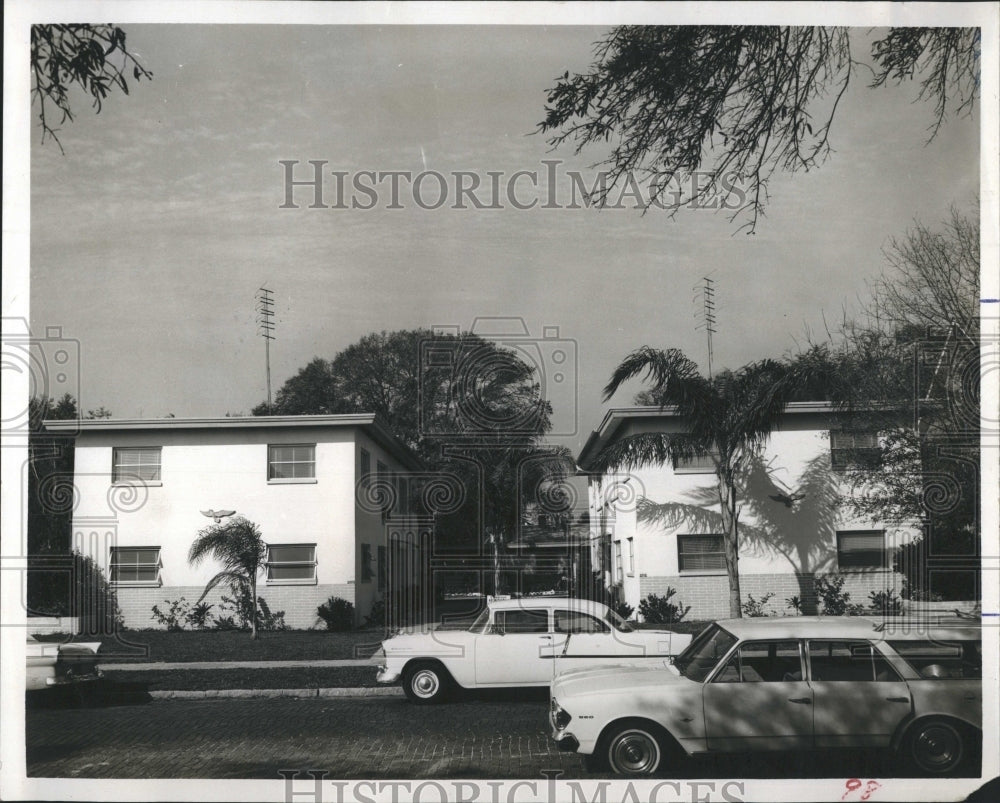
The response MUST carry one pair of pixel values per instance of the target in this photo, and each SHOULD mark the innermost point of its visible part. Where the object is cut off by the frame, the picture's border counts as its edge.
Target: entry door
(859, 698)
(760, 700)
(517, 650)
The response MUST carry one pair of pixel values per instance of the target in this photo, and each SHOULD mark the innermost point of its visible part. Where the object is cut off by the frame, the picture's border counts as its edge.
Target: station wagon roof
(861, 627)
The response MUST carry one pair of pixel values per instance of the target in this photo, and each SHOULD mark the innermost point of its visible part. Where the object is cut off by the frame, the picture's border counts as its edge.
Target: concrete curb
(222, 694)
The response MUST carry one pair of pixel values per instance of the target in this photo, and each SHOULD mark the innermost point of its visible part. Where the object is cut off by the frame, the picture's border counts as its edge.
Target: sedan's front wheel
(634, 749)
(426, 682)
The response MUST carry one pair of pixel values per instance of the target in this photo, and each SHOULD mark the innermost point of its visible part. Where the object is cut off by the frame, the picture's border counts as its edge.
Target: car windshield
(704, 652)
(618, 623)
(479, 625)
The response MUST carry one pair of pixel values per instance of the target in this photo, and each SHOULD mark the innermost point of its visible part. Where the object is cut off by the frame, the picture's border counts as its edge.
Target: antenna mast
(708, 314)
(265, 328)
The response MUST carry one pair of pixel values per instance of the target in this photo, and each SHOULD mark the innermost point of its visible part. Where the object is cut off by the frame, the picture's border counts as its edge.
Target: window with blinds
(853, 450)
(698, 464)
(701, 553)
(861, 549)
(135, 464)
(137, 565)
(291, 563)
(291, 462)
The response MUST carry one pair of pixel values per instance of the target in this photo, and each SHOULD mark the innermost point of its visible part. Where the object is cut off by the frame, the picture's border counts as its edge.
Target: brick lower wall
(708, 595)
(298, 602)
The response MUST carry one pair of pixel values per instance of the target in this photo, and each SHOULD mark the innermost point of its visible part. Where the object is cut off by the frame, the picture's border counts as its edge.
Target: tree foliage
(728, 417)
(93, 58)
(239, 546)
(698, 109)
(468, 406)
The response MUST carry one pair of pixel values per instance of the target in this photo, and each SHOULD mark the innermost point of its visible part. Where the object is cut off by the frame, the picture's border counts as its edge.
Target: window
(577, 622)
(291, 462)
(364, 467)
(522, 621)
(135, 463)
(631, 556)
(848, 661)
(942, 660)
(853, 449)
(861, 549)
(763, 662)
(619, 573)
(139, 565)
(701, 553)
(291, 563)
(698, 464)
(367, 573)
(382, 568)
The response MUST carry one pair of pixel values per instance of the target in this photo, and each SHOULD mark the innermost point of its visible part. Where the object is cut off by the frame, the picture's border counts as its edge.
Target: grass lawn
(231, 645)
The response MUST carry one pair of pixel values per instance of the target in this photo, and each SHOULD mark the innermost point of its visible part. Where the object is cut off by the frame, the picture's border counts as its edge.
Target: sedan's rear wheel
(634, 749)
(936, 746)
(426, 682)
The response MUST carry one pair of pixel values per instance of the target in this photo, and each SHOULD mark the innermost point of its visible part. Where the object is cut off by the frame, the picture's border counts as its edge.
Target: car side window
(942, 660)
(763, 662)
(851, 661)
(576, 622)
(525, 620)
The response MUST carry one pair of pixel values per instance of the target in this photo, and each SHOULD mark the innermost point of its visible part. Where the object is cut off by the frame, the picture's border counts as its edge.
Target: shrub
(175, 616)
(886, 602)
(225, 623)
(623, 609)
(376, 617)
(660, 610)
(836, 601)
(197, 617)
(337, 613)
(267, 620)
(795, 603)
(755, 607)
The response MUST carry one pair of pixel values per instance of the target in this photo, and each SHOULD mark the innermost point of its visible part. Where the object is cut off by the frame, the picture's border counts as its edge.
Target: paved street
(490, 735)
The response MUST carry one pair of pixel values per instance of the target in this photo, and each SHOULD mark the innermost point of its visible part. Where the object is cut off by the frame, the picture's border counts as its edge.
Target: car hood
(612, 679)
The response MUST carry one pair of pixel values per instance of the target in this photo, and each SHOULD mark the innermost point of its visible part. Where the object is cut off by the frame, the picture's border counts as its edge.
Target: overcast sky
(151, 234)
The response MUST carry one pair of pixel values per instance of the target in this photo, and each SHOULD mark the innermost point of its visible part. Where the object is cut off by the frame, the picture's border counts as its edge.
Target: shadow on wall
(799, 523)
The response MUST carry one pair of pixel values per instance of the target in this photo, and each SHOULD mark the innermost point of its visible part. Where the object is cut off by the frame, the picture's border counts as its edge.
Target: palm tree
(239, 546)
(728, 418)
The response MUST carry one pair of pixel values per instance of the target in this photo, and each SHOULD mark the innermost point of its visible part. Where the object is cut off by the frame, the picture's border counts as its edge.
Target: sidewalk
(244, 685)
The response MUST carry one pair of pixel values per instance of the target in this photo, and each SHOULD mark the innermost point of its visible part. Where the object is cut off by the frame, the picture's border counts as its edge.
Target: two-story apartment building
(662, 528)
(142, 489)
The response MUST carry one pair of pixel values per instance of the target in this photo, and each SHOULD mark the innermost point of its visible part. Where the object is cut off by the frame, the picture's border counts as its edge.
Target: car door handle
(898, 699)
(801, 700)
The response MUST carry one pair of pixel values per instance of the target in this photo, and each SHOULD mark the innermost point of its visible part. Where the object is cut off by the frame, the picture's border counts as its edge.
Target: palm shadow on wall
(798, 522)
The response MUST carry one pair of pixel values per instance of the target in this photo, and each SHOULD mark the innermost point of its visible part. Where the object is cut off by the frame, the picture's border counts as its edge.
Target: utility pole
(707, 291)
(265, 328)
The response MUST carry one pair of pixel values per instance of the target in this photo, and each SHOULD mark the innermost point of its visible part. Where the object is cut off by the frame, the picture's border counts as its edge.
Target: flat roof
(616, 417)
(369, 422)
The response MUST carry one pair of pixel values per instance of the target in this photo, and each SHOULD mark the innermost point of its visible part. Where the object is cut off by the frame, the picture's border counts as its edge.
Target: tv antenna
(265, 328)
(707, 292)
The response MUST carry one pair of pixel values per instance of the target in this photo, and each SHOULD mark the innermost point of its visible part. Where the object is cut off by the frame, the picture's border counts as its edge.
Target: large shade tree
(728, 418)
(469, 406)
(709, 113)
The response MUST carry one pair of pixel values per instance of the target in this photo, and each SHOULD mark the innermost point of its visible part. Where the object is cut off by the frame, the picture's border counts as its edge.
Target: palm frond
(233, 578)
(647, 449)
(674, 377)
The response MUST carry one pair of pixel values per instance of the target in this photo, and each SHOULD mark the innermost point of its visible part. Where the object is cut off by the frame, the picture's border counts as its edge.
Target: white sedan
(521, 642)
(55, 664)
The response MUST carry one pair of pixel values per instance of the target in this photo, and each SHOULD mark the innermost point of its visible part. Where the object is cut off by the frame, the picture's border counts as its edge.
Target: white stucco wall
(226, 468)
(796, 456)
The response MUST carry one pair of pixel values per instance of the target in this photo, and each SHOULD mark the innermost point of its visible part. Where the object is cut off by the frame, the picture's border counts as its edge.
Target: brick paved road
(484, 736)
(501, 737)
